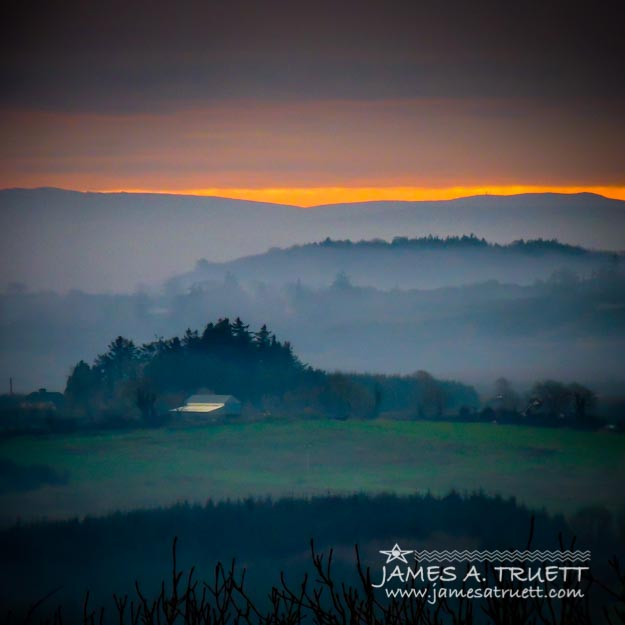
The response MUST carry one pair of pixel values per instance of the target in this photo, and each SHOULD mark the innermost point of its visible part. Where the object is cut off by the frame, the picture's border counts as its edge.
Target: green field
(560, 470)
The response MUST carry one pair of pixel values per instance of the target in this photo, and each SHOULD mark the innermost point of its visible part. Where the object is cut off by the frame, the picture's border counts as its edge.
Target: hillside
(424, 263)
(562, 327)
(59, 240)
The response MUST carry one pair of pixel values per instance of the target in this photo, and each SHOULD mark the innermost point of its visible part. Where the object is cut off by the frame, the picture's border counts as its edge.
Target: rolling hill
(423, 263)
(59, 240)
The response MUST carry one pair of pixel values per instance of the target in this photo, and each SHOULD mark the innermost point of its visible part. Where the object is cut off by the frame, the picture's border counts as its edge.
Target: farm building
(43, 399)
(216, 405)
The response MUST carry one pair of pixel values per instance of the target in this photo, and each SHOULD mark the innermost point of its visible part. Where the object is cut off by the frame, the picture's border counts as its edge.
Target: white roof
(210, 399)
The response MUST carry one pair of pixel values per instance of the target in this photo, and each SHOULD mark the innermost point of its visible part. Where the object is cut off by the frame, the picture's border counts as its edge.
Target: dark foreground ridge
(84, 571)
(320, 598)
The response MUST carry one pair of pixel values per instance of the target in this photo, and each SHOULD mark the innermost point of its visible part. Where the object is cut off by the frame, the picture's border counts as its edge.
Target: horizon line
(312, 197)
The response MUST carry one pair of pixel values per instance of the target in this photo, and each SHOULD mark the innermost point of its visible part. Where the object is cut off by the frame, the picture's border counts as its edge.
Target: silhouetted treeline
(106, 555)
(323, 597)
(418, 396)
(471, 241)
(547, 403)
(570, 325)
(422, 262)
(228, 358)
(132, 381)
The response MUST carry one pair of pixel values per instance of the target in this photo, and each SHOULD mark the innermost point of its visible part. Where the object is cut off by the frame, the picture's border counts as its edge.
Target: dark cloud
(153, 56)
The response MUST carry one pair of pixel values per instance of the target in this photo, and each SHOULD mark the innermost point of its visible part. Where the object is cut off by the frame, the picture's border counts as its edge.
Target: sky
(307, 103)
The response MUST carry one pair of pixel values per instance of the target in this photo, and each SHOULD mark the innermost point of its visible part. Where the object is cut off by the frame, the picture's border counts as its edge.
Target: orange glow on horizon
(315, 196)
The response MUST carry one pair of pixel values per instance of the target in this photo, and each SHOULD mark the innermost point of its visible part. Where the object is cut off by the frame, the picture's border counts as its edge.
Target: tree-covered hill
(423, 262)
(227, 358)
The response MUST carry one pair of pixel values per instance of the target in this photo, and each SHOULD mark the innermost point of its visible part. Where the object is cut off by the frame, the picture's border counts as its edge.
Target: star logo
(396, 553)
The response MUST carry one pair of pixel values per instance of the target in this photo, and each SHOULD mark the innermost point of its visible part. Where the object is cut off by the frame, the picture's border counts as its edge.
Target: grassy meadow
(557, 469)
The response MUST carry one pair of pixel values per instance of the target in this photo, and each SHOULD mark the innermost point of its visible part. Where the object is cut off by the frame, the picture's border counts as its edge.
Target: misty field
(560, 470)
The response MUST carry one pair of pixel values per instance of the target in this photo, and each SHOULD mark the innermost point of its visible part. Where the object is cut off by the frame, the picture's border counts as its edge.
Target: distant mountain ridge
(57, 239)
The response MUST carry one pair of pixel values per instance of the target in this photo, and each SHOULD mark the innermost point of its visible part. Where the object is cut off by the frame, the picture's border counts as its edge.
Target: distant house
(215, 405)
(44, 399)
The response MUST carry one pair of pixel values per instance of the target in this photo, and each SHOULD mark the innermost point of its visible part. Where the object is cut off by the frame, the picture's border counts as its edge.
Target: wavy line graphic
(502, 556)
